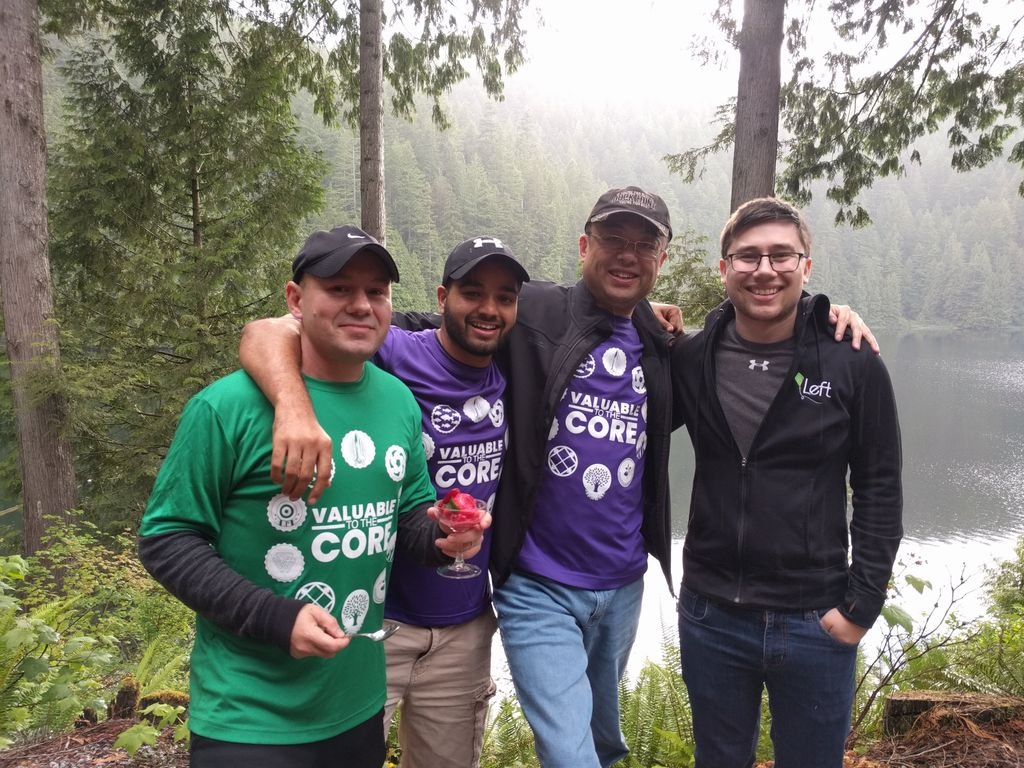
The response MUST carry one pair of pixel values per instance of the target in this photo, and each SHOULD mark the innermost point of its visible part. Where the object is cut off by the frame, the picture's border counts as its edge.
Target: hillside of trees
(943, 248)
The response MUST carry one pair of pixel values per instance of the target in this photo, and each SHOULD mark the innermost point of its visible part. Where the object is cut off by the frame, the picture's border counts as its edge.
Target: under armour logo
(479, 242)
(762, 365)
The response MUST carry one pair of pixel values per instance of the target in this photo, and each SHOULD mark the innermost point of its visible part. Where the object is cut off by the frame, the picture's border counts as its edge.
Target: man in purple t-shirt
(439, 663)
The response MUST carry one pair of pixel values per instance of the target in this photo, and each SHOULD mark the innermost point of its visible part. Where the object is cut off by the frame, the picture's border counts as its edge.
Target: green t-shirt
(216, 480)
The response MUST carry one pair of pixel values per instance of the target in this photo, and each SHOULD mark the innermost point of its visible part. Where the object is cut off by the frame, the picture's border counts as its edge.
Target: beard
(460, 334)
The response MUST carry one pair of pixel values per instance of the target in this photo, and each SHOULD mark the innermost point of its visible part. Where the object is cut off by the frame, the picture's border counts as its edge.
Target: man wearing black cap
(583, 497)
(439, 663)
(281, 584)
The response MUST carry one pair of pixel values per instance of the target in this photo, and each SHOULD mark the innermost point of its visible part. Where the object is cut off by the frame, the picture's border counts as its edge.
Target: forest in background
(943, 248)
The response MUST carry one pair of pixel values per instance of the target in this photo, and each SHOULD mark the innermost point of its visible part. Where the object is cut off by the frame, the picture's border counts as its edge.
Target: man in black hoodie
(778, 414)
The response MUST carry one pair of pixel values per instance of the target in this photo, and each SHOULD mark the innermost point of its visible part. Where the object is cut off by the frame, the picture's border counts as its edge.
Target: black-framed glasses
(644, 249)
(783, 261)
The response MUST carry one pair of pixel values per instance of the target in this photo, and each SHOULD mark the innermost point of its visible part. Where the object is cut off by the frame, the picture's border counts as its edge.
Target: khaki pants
(441, 677)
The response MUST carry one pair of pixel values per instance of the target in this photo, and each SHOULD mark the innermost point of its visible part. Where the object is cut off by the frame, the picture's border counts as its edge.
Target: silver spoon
(386, 631)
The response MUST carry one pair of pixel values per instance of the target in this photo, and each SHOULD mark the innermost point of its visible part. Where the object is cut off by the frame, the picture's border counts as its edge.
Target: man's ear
(293, 296)
(442, 295)
(584, 242)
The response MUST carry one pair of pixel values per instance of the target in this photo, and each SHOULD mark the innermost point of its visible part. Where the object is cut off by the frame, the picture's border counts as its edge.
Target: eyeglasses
(784, 261)
(644, 249)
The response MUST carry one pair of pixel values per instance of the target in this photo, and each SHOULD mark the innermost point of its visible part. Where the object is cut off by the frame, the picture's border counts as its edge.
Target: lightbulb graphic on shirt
(476, 409)
(357, 449)
(614, 361)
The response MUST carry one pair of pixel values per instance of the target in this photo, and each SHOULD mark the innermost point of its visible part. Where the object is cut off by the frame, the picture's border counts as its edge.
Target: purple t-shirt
(585, 530)
(464, 435)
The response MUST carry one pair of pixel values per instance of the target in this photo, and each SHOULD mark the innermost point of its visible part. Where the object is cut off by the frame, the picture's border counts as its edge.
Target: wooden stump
(905, 708)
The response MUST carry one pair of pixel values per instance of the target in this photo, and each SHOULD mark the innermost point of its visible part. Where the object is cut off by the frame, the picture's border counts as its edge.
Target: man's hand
(841, 316)
(301, 448)
(670, 317)
(467, 542)
(316, 633)
(841, 628)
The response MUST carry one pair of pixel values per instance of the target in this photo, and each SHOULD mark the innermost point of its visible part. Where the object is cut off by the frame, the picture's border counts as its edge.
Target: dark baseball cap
(633, 200)
(469, 253)
(325, 253)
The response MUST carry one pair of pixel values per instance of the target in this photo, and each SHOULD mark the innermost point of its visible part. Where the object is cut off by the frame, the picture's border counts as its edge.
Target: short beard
(457, 333)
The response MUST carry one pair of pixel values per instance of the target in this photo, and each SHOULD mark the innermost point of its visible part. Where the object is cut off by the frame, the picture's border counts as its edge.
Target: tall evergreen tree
(178, 190)
(47, 474)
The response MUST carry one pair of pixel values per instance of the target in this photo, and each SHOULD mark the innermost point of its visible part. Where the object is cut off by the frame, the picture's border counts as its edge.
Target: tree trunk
(757, 101)
(47, 472)
(371, 117)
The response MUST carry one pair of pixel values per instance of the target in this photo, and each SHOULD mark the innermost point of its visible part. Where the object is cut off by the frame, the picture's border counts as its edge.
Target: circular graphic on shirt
(643, 410)
(428, 446)
(445, 419)
(380, 587)
(330, 479)
(639, 382)
(554, 429)
(357, 449)
(318, 593)
(284, 562)
(614, 361)
(627, 469)
(562, 461)
(497, 413)
(353, 612)
(641, 445)
(585, 369)
(389, 548)
(476, 409)
(597, 479)
(394, 462)
(286, 515)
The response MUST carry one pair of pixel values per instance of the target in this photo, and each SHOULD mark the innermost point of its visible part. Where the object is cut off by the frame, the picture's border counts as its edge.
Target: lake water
(961, 405)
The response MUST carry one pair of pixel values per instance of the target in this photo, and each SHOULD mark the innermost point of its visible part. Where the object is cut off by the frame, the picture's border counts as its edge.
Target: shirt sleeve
(182, 522)
(876, 527)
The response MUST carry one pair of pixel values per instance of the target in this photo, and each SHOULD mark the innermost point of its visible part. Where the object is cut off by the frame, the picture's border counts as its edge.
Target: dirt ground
(941, 738)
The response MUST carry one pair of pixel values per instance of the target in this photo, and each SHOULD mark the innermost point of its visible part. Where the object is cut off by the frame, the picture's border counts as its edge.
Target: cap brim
(518, 269)
(605, 214)
(333, 263)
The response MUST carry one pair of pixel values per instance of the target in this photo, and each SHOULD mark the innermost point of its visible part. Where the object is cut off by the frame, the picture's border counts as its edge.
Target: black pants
(359, 747)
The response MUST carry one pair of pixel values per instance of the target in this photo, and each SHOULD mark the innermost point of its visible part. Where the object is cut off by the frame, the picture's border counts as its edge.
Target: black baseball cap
(325, 253)
(633, 200)
(469, 253)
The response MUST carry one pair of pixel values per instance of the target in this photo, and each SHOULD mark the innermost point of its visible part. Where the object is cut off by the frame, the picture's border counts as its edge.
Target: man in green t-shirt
(280, 585)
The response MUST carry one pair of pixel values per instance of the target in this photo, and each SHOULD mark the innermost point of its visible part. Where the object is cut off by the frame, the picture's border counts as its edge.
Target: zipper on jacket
(741, 529)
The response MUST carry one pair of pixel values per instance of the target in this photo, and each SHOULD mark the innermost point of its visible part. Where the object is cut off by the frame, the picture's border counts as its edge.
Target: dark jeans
(358, 747)
(730, 654)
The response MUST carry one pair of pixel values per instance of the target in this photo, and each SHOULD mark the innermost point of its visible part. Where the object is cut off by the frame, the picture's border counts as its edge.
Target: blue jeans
(567, 649)
(729, 654)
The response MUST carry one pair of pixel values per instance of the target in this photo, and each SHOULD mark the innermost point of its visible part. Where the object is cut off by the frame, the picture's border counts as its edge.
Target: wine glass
(460, 519)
